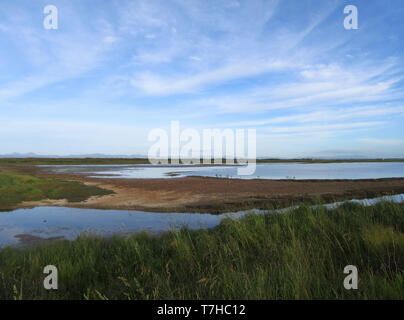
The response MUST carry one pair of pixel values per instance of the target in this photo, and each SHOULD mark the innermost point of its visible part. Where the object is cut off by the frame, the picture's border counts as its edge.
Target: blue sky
(114, 70)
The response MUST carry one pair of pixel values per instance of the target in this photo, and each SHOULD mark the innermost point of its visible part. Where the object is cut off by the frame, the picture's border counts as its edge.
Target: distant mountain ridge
(140, 156)
(93, 155)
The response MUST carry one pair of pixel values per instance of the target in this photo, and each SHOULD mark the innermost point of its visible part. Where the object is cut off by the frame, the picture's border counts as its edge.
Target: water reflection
(362, 170)
(51, 222)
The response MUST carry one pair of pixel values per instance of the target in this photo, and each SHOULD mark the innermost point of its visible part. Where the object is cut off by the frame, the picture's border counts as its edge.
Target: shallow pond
(48, 222)
(348, 170)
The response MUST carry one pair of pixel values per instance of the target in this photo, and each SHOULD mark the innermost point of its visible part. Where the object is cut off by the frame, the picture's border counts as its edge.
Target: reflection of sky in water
(364, 170)
(46, 222)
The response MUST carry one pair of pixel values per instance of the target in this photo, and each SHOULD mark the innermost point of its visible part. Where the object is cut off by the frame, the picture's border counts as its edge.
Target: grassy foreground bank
(297, 255)
(16, 188)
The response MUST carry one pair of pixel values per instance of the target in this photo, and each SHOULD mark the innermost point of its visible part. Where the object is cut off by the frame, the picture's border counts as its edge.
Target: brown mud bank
(215, 195)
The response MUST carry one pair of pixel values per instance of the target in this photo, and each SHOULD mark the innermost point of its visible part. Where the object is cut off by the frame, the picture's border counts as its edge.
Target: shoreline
(212, 195)
(27, 239)
(135, 161)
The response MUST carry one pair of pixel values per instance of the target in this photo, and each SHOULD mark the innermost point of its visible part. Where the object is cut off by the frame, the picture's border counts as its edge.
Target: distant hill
(140, 156)
(77, 156)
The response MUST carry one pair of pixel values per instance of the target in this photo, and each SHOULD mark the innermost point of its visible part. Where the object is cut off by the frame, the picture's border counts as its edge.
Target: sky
(114, 70)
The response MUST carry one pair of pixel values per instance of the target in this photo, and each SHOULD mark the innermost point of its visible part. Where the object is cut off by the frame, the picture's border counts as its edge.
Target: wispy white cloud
(337, 114)
(321, 87)
(56, 57)
(382, 142)
(286, 67)
(155, 84)
(324, 127)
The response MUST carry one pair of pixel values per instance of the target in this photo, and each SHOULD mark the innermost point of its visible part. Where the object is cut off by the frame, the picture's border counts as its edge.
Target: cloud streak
(287, 68)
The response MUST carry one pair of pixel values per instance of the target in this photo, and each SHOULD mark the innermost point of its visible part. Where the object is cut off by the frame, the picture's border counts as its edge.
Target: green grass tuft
(16, 188)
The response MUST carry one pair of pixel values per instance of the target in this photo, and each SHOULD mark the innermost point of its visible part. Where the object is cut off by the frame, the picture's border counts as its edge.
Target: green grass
(16, 188)
(297, 255)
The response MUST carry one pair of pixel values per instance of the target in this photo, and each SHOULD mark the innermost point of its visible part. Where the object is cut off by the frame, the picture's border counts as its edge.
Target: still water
(68, 223)
(362, 170)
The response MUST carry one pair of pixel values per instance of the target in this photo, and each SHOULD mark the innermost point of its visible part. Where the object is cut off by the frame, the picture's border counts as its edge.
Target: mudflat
(215, 195)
